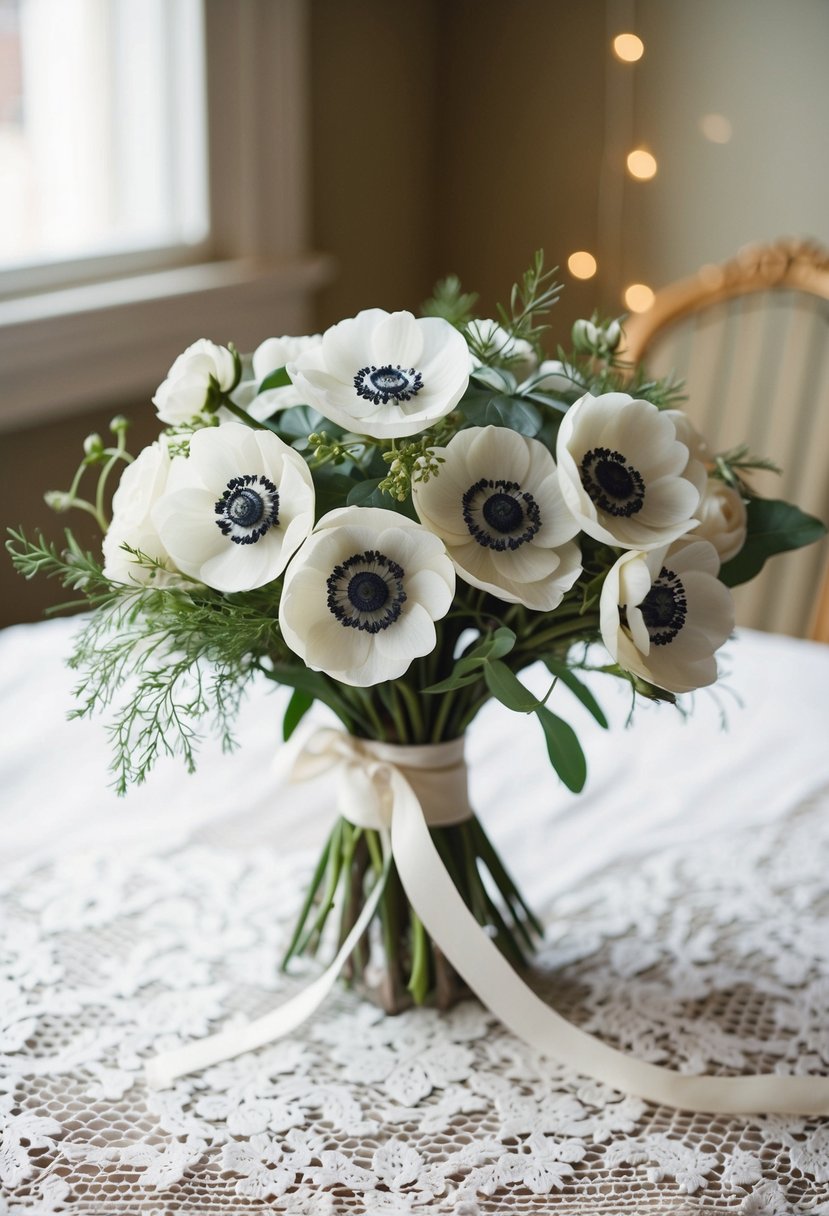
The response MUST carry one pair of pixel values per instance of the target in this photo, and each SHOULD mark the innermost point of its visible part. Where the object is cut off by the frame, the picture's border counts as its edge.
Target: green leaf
(577, 687)
(366, 494)
(774, 526)
(298, 707)
(507, 688)
(564, 750)
(464, 672)
(300, 421)
(276, 379)
(331, 488)
(494, 645)
(514, 413)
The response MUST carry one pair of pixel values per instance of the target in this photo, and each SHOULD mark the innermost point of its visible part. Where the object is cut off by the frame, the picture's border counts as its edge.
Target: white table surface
(685, 895)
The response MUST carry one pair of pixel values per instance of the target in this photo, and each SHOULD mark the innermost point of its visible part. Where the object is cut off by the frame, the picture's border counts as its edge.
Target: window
(179, 127)
(102, 137)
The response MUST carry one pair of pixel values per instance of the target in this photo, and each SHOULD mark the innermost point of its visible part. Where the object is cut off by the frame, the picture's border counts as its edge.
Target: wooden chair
(750, 340)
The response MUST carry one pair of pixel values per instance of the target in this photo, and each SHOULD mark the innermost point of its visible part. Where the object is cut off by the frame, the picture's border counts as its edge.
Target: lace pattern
(710, 957)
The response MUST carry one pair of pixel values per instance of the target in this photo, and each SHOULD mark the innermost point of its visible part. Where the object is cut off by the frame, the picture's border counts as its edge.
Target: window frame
(74, 348)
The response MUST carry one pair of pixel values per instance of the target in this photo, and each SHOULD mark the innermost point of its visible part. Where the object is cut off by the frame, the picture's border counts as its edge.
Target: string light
(581, 264)
(638, 297)
(716, 128)
(628, 48)
(641, 164)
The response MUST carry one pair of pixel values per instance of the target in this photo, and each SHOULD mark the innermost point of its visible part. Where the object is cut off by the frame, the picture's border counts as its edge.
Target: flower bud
(93, 445)
(119, 423)
(585, 336)
(58, 500)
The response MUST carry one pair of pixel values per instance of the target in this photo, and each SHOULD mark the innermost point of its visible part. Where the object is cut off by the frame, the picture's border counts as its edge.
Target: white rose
(723, 520)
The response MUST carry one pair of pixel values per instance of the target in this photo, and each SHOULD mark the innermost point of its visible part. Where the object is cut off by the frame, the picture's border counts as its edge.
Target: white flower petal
(361, 596)
(367, 374)
(664, 614)
(496, 504)
(624, 475)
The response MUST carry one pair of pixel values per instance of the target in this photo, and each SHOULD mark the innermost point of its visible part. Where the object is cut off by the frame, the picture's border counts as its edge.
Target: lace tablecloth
(685, 894)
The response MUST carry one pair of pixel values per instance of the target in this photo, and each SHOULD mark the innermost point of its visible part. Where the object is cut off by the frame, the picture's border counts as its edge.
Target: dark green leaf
(507, 688)
(331, 487)
(564, 750)
(579, 689)
(298, 707)
(366, 494)
(277, 379)
(774, 526)
(515, 413)
(494, 645)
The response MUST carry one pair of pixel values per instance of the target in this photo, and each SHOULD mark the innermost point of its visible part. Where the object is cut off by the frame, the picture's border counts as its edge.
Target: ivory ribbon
(379, 789)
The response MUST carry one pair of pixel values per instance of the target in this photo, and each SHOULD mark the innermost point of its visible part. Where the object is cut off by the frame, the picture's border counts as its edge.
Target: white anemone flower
(497, 347)
(142, 484)
(722, 518)
(360, 598)
(192, 380)
(237, 508)
(383, 374)
(268, 357)
(664, 614)
(496, 504)
(625, 475)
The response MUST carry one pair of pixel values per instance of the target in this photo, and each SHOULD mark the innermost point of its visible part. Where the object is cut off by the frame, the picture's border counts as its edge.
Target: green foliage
(564, 749)
(482, 408)
(530, 301)
(774, 526)
(450, 302)
(560, 671)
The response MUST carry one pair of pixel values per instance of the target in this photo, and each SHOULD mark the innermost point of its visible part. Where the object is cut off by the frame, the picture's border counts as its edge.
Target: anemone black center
(248, 507)
(499, 514)
(392, 382)
(503, 512)
(664, 608)
(612, 483)
(367, 591)
(245, 507)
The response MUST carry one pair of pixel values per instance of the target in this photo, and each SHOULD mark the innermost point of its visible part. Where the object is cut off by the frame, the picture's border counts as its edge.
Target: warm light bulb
(628, 48)
(638, 297)
(641, 164)
(716, 128)
(581, 264)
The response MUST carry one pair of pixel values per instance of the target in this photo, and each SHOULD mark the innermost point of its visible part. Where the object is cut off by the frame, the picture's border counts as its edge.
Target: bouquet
(396, 518)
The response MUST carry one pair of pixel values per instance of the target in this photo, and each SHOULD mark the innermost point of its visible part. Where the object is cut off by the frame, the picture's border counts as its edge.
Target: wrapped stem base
(396, 963)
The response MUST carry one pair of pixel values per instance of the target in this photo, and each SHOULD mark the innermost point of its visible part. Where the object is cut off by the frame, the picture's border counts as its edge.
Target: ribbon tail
(163, 1070)
(455, 931)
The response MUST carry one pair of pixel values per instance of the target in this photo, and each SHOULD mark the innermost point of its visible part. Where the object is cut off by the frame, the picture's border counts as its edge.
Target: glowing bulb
(716, 128)
(641, 164)
(628, 47)
(638, 297)
(582, 265)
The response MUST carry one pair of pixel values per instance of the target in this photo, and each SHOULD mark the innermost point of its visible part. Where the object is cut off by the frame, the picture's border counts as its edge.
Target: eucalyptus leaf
(774, 526)
(514, 413)
(494, 645)
(568, 677)
(275, 379)
(366, 494)
(299, 421)
(507, 688)
(564, 749)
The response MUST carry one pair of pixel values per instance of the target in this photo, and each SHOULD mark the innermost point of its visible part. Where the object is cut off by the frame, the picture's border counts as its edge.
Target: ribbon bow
(381, 788)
